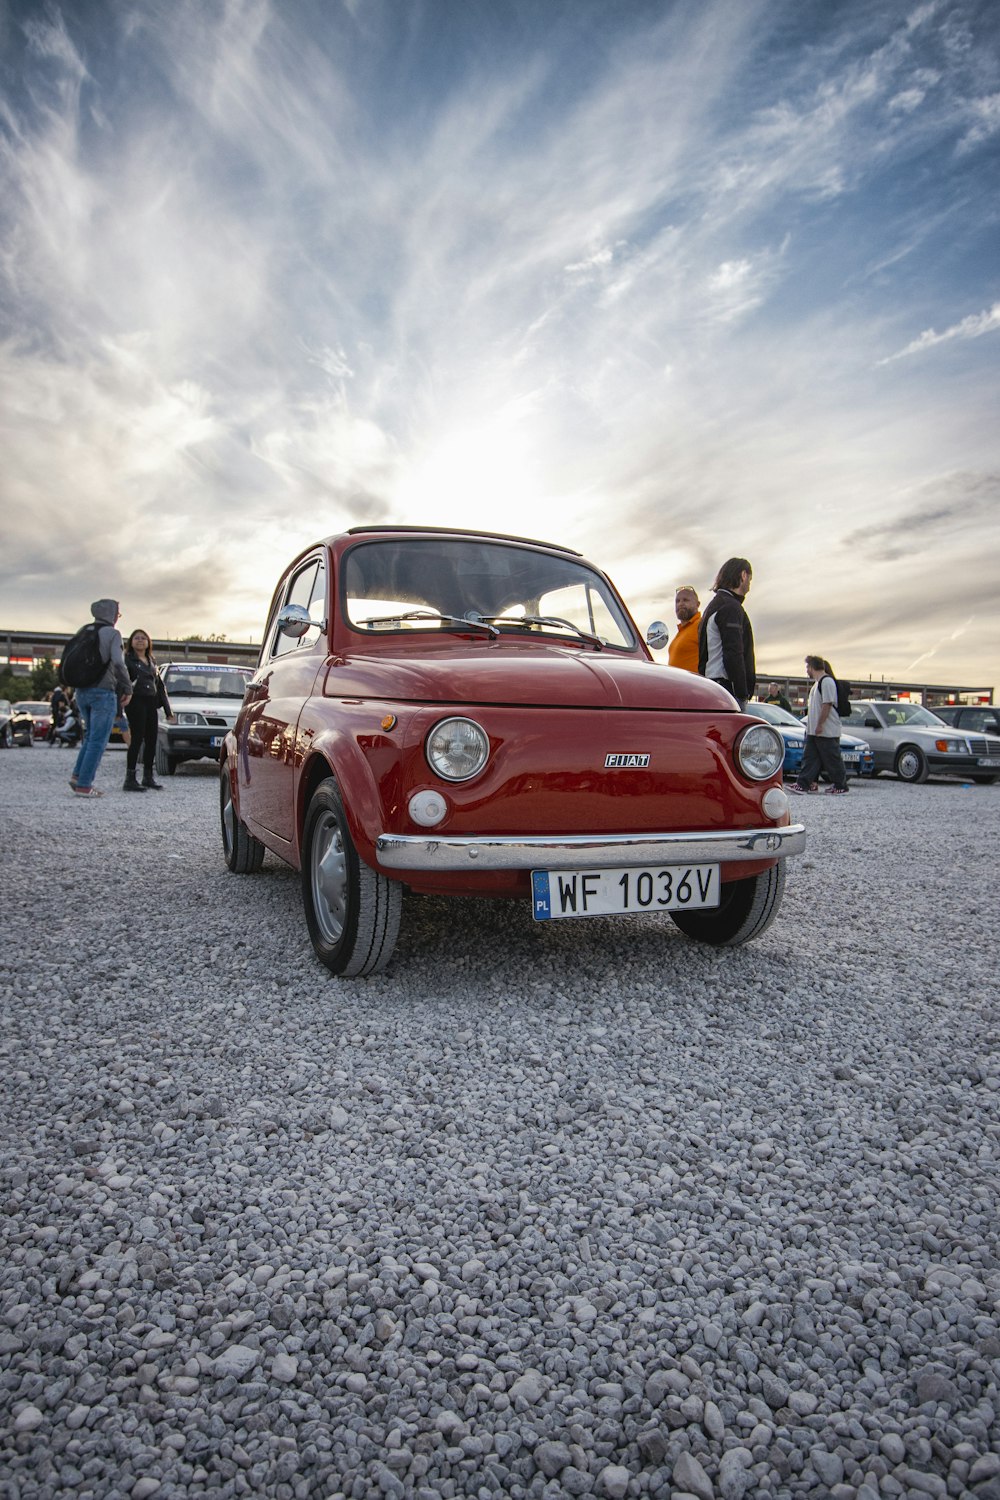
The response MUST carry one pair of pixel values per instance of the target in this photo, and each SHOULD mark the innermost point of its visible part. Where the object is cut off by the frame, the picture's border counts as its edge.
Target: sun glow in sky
(663, 280)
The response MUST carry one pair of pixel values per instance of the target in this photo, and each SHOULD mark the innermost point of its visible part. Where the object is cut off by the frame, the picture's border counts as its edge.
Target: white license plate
(989, 760)
(216, 741)
(614, 893)
(852, 758)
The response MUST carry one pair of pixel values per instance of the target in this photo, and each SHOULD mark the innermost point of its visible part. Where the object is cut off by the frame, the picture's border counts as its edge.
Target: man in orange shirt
(683, 649)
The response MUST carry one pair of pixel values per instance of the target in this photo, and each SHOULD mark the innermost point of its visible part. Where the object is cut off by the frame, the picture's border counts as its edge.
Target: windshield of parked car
(205, 682)
(32, 708)
(403, 584)
(895, 715)
(774, 714)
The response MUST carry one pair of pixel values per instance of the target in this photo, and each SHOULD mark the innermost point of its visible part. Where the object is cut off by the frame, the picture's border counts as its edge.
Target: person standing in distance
(822, 732)
(725, 638)
(775, 695)
(148, 695)
(683, 649)
(98, 705)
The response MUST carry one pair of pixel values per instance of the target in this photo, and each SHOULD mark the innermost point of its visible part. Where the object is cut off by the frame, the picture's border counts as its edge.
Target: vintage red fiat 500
(464, 713)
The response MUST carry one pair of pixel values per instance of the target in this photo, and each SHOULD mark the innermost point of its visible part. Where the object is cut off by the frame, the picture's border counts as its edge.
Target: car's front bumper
(586, 851)
(962, 765)
(192, 741)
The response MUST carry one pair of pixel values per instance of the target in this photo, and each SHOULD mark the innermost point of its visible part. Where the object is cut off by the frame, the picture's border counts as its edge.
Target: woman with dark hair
(725, 639)
(148, 695)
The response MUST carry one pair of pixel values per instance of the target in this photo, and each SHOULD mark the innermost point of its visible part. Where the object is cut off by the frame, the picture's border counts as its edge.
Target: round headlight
(457, 749)
(760, 752)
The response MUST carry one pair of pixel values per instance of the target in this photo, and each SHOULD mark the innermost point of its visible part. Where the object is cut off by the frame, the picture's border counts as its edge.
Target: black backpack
(843, 695)
(82, 663)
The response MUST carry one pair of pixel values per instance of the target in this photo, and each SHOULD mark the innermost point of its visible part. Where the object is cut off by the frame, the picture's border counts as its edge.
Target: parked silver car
(915, 743)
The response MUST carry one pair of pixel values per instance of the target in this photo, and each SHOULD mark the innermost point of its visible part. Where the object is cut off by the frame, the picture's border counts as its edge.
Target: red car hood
(518, 673)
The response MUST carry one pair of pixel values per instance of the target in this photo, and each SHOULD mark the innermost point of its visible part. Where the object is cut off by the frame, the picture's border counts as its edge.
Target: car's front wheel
(352, 911)
(984, 780)
(243, 854)
(7, 738)
(166, 764)
(911, 764)
(747, 908)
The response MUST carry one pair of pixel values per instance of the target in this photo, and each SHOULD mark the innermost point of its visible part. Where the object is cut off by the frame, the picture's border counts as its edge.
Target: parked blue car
(856, 754)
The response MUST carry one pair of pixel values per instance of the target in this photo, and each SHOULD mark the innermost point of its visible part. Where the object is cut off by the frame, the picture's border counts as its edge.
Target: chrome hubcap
(329, 878)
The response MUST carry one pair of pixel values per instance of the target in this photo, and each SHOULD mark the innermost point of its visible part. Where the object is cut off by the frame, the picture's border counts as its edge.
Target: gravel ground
(543, 1211)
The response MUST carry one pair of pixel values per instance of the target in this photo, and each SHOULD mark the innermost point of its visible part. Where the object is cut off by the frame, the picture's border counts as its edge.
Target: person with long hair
(725, 639)
(148, 695)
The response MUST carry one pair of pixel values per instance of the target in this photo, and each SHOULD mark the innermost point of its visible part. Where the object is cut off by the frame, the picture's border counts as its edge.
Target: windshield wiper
(477, 622)
(554, 620)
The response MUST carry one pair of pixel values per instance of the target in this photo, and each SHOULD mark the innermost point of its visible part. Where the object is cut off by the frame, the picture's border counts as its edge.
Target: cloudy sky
(663, 280)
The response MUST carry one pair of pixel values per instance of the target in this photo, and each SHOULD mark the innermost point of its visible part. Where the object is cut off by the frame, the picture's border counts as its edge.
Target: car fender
(336, 753)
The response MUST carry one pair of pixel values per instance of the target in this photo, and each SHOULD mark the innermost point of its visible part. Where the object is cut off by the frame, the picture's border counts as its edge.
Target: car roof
(455, 531)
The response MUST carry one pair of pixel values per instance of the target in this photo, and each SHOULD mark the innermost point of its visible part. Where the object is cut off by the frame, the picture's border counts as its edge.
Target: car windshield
(895, 715)
(439, 583)
(774, 714)
(32, 708)
(206, 682)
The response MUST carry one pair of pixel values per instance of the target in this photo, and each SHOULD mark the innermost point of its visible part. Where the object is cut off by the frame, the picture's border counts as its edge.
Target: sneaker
(804, 790)
(72, 782)
(86, 791)
(837, 791)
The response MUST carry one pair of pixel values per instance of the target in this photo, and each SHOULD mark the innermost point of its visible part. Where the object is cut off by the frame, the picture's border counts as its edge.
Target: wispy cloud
(972, 327)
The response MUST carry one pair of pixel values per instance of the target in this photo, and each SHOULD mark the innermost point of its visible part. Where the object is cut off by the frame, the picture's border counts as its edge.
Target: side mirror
(871, 723)
(294, 621)
(657, 636)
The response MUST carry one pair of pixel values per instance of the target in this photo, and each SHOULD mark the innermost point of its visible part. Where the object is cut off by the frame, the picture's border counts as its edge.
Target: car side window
(307, 589)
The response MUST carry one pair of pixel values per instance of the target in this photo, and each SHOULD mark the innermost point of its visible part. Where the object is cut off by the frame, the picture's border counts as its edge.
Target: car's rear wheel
(7, 738)
(166, 764)
(911, 764)
(243, 854)
(984, 780)
(748, 907)
(352, 911)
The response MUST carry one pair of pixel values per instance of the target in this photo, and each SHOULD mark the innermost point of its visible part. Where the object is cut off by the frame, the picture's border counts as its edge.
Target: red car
(464, 713)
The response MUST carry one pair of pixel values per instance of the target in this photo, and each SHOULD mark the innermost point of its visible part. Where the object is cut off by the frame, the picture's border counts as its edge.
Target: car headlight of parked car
(760, 752)
(457, 749)
(190, 720)
(951, 747)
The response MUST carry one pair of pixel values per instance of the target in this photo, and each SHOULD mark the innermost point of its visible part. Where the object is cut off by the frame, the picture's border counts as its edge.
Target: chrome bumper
(586, 851)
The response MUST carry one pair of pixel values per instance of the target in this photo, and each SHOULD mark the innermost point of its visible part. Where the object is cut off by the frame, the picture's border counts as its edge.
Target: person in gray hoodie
(99, 704)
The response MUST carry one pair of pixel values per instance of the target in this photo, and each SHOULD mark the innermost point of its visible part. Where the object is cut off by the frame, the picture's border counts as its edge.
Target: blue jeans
(98, 708)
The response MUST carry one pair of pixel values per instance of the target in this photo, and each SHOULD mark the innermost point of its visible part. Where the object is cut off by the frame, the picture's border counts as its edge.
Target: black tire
(166, 765)
(243, 854)
(352, 911)
(747, 909)
(7, 738)
(911, 764)
(984, 780)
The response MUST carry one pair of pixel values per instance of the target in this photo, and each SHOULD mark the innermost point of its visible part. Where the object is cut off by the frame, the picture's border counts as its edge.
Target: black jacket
(737, 642)
(147, 686)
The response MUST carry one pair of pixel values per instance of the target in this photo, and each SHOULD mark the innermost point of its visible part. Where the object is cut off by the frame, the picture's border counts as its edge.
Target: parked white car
(915, 743)
(205, 700)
